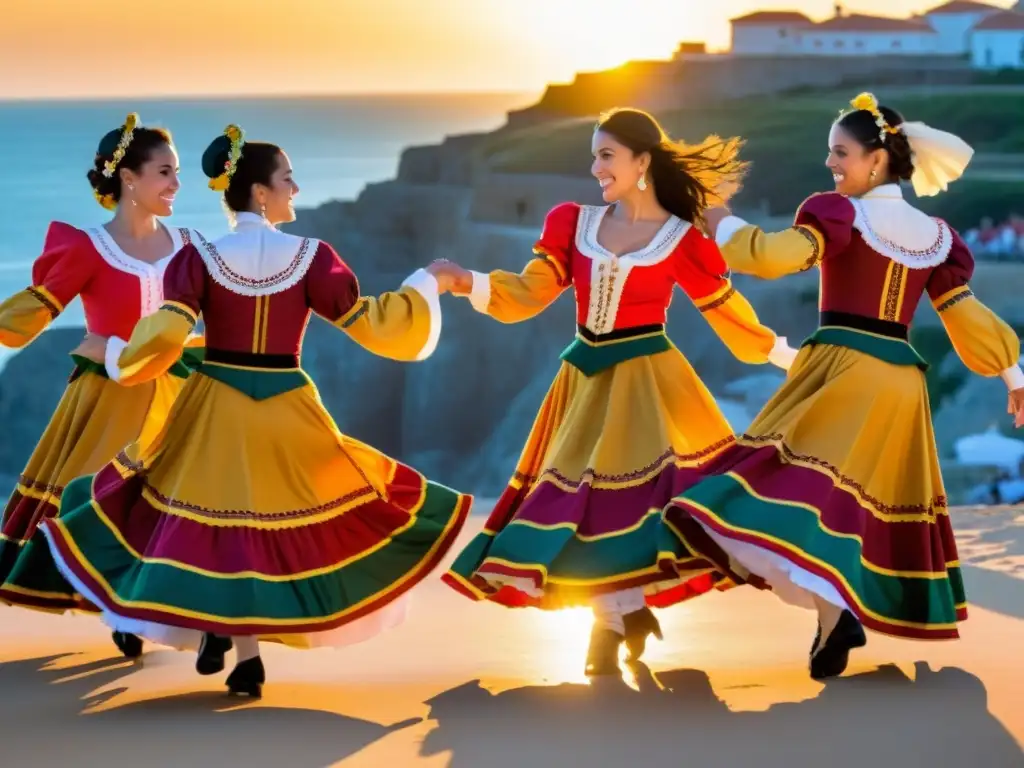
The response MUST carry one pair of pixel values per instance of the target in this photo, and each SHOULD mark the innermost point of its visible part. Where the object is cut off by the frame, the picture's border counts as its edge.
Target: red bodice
(116, 289)
(262, 320)
(857, 279)
(635, 289)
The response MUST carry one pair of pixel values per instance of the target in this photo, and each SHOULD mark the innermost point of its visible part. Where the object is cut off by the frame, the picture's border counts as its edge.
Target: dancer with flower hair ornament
(834, 496)
(117, 269)
(251, 517)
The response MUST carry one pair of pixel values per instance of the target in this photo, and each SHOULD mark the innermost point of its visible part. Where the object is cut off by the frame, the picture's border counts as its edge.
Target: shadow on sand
(880, 718)
(41, 723)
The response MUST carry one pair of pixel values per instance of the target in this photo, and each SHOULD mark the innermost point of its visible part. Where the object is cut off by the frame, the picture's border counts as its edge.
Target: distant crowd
(997, 242)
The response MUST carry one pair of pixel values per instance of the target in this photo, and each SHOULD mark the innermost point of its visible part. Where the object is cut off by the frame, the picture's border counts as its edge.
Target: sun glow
(590, 35)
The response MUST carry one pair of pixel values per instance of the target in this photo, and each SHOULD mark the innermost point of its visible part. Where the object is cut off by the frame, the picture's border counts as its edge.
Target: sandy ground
(463, 685)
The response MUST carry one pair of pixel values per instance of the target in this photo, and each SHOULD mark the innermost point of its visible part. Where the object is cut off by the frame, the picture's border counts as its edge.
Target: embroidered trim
(243, 285)
(39, 486)
(775, 440)
(43, 299)
(660, 248)
(150, 276)
(719, 301)
(245, 514)
(923, 258)
(590, 476)
(180, 311)
(364, 307)
(608, 278)
(954, 300)
(893, 292)
(815, 256)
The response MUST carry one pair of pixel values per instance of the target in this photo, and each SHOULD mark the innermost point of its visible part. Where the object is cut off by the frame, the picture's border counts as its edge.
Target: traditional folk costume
(624, 426)
(834, 496)
(251, 514)
(97, 415)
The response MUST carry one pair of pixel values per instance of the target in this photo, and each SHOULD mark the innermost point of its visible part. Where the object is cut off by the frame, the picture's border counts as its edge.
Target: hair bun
(216, 156)
(109, 143)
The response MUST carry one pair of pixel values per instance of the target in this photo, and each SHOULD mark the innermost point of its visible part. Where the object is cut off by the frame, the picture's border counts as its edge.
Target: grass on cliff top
(786, 138)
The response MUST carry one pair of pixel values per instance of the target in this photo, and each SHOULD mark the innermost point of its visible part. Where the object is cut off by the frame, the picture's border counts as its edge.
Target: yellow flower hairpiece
(127, 133)
(237, 137)
(869, 103)
(107, 201)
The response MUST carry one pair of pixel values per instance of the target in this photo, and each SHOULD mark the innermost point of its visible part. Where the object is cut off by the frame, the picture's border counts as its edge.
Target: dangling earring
(873, 174)
(641, 183)
(263, 210)
(132, 190)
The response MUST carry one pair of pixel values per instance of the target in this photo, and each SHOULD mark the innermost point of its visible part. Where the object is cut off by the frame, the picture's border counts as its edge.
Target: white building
(768, 32)
(997, 42)
(990, 36)
(953, 23)
(860, 35)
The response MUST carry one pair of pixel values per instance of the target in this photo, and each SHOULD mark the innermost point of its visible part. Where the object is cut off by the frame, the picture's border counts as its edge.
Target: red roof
(772, 17)
(1008, 21)
(860, 23)
(962, 6)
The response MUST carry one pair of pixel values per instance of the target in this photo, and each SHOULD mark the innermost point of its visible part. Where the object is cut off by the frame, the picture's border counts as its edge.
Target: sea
(337, 144)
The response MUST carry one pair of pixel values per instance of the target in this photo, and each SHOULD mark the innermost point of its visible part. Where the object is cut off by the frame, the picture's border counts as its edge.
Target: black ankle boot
(640, 624)
(831, 659)
(603, 654)
(129, 645)
(247, 678)
(212, 648)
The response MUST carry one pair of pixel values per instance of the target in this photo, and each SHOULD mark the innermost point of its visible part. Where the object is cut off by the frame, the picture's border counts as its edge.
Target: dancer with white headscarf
(834, 497)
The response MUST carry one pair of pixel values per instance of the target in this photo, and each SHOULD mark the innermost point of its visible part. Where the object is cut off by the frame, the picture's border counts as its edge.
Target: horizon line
(184, 96)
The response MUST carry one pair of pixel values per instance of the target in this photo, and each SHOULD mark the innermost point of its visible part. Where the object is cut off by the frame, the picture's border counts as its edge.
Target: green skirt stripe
(795, 532)
(564, 557)
(178, 590)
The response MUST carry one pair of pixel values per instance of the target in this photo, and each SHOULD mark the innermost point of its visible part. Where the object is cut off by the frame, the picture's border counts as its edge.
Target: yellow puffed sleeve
(401, 325)
(511, 297)
(981, 339)
(24, 316)
(985, 343)
(701, 272)
(156, 344)
(823, 226)
(158, 339)
(735, 322)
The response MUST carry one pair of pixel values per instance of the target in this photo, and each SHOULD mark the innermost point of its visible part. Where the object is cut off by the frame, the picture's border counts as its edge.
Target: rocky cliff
(462, 415)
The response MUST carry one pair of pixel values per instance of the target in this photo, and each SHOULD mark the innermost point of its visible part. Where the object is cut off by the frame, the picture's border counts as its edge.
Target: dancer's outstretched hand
(451, 277)
(1015, 406)
(93, 347)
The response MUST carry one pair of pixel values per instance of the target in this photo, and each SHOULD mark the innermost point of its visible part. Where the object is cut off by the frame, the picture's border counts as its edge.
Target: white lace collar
(257, 259)
(894, 228)
(658, 249)
(116, 257)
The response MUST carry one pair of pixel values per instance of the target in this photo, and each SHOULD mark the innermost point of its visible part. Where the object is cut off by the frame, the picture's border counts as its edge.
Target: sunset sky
(72, 48)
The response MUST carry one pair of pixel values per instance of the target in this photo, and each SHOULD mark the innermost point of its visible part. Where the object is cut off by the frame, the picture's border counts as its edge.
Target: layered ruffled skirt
(836, 491)
(94, 420)
(252, 516)
(581, 516)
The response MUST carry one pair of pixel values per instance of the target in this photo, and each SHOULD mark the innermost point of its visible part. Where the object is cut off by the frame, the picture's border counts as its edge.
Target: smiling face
(615, 167)
(154, 186)
(279, 195)
(855, 169)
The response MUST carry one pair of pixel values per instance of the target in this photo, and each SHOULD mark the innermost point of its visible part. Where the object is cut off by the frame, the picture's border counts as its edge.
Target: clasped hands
(451, 277)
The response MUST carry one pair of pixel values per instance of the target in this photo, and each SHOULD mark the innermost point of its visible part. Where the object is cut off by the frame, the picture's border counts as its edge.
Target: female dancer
(626, 421)
(118, 270)
(251, 516)
(834, 497)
